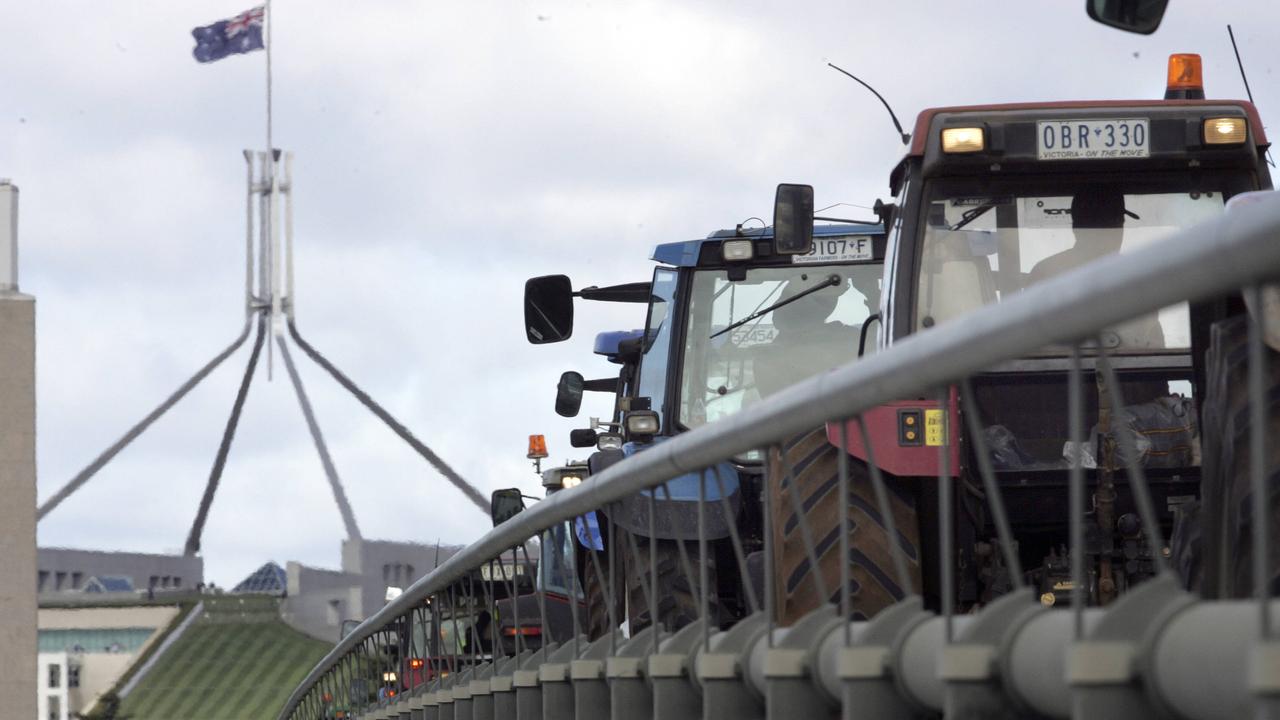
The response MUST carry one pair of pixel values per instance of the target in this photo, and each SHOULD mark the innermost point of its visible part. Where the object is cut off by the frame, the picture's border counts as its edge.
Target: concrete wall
(319, 600)
(99, 672)
(18, 510)
(106, 617)
(301, 579)
(66, 569)
(384, 563)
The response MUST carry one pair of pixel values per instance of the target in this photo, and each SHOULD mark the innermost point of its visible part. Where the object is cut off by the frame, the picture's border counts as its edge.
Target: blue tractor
(730, 319)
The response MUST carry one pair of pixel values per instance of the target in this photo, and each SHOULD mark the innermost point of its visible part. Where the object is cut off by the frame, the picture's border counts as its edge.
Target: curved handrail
(1233, 250)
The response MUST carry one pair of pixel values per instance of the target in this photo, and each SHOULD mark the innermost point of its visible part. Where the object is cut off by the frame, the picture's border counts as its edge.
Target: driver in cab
(1097, 222)
(806, 342)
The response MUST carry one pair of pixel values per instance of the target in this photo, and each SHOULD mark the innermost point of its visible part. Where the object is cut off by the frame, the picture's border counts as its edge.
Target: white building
(84, 651)
(56, 675)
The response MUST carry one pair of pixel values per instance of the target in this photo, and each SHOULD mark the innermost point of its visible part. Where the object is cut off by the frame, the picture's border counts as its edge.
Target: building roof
(108, 583)
(270, 579)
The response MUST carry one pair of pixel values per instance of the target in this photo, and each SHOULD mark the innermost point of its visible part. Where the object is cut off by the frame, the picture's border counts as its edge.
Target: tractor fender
(893, 451)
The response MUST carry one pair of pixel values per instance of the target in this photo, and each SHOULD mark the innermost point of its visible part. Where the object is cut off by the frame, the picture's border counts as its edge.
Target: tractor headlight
(963, 140)
(1225, 131)
(737, 250)
(642, 422)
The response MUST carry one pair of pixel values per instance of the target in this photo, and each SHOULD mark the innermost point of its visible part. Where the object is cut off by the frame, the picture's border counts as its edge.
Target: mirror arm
(609, 385)
(862, 336)
(637, 292)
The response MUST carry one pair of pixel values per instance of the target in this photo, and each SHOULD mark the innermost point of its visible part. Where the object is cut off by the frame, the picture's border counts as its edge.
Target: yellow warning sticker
(934, 433)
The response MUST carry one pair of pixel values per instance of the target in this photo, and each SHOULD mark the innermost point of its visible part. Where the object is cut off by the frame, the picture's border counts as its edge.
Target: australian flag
(240, 34)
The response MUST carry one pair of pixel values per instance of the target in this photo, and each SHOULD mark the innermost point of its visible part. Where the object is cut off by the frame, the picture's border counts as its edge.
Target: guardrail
(1155, 652)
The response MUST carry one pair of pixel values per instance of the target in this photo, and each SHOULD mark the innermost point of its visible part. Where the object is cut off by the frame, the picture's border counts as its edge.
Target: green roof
(238, 661)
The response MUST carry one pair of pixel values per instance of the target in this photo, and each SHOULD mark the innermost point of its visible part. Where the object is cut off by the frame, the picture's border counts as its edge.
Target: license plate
(1093, 139)
(849, 248)
(502, 572)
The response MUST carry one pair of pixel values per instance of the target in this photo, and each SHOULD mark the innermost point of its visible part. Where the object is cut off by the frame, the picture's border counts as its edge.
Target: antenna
(1245, 78)
(906, 137)
(1239, 64)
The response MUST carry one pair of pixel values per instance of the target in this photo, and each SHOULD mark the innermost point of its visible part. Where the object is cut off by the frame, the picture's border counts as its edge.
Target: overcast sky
(445, 152)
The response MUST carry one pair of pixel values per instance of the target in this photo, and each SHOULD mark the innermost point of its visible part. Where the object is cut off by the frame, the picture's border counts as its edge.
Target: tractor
(993, 199)
(731, 319)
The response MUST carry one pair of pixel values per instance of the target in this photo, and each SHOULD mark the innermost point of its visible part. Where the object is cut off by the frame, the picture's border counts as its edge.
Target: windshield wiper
(971, 215)
(831, 281)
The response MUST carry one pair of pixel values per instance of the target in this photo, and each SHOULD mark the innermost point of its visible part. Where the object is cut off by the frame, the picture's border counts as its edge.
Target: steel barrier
(1157, 651)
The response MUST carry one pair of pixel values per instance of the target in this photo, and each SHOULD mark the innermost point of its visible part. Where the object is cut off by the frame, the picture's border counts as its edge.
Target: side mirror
(885, 211)
(505, 504)
(548, 309)
(582, 438)
(793, 219)
(569, 394)
(1136, 16)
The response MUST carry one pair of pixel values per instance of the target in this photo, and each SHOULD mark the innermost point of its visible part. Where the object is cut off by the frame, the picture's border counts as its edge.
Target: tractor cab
(734, 319)
(991, 200)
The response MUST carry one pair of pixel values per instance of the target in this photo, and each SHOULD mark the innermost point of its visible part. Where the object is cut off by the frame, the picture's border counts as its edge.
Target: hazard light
(1186, 80)
(537, 447)
(1225, 131)
(963, 140)
(416, 663)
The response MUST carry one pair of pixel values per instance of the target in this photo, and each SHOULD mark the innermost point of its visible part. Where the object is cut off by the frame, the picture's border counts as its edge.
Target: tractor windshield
(982, 249)
(814, 324)
(555, 573)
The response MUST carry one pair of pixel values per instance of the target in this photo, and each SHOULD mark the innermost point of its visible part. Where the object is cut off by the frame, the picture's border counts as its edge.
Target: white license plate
(1093, 139)
(503, 572)
(849, 248)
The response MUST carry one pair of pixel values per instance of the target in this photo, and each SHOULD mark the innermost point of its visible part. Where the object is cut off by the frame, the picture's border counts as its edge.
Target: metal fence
(1157, 651)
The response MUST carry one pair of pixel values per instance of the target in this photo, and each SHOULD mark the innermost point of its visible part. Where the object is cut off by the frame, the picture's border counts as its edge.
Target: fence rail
(1157, 651)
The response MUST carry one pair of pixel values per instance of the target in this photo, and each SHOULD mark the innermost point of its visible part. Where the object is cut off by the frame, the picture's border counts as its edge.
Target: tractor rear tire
(814, 462)
(597, 594)
(678, 600)
(1226, 494)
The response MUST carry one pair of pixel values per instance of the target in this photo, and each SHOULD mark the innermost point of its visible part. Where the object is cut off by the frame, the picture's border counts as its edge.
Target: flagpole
(268, 44)
(270, 235)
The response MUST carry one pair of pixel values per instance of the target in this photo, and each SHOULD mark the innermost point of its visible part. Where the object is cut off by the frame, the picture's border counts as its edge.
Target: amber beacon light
(1186, 79)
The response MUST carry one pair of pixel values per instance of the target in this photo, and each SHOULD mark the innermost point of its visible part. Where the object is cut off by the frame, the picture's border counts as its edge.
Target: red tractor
(990, 200)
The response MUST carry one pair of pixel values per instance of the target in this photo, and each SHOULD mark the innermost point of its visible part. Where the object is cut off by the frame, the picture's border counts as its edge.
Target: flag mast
(267, 22)
(271, 238)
